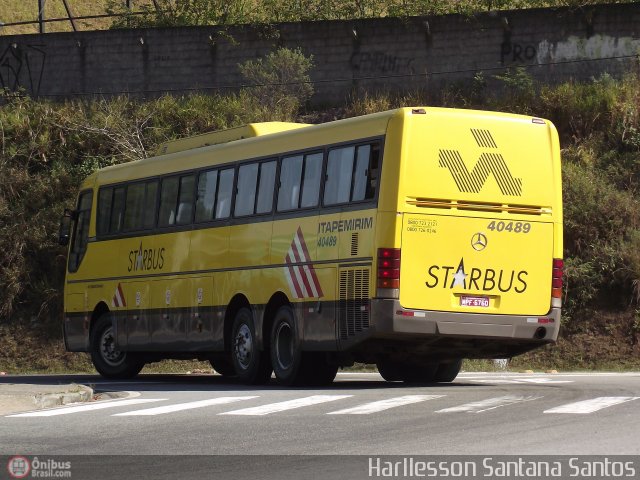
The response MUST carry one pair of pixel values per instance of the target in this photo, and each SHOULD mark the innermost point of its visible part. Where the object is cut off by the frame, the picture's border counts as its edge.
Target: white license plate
(467, 301)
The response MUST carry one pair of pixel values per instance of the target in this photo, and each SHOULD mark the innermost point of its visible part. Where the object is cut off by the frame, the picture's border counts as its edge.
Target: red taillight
(389, 268)
(556, 278)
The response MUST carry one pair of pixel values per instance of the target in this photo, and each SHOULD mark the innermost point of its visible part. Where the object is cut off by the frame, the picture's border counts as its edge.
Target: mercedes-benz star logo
(479, 241)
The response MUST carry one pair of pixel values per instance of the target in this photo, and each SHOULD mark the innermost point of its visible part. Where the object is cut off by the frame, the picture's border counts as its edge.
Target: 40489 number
(515, 227)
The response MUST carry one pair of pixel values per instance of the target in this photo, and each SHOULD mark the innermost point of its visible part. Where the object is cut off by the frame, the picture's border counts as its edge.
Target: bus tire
(286, 354)
(107, 359)
(448, 371)
(318, 371)
(390, 371)
(419, 373)
(250, 364)
(223, 365)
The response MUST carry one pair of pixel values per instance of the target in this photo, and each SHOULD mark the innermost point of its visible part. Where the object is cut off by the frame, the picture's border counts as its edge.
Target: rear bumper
(473, 335)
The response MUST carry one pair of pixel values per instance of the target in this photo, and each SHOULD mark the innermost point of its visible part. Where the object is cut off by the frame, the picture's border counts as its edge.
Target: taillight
(556, 282)
(388, 271)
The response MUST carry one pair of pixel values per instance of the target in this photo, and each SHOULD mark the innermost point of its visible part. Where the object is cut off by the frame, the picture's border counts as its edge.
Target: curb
(48, 400)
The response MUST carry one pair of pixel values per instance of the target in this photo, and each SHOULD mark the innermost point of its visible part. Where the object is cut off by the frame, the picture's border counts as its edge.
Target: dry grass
(27, 10)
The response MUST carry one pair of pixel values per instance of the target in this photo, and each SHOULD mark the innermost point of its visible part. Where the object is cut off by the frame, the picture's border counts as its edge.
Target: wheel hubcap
(108, 349)
(243, 346)
(284, 346)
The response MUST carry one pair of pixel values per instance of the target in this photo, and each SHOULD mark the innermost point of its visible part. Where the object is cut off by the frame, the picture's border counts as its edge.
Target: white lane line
(87, 407)
(490, 404)
(381, 405)
(178, 407)
(590, 406)
(287, 405)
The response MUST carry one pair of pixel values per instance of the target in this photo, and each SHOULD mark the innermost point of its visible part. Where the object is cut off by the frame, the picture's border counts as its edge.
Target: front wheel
(108, 360)
(251, 364)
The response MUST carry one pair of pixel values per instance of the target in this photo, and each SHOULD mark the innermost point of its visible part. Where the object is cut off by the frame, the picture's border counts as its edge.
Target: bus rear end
(475, 269)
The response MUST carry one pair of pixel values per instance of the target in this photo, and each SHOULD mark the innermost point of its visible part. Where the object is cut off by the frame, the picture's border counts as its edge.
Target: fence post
(41, 15)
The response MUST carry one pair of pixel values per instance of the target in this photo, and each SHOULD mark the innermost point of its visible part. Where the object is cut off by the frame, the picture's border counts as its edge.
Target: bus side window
(225, 188)
(246, 192)
(151, 194)
(290, 175)
(185, 200)
(81, 231)
(264, 202)
(168, 202)
(311, 182)
(206, 195)
(105, 198)
(365, 173)
(134, 206)
(117, 210)
(337, 187)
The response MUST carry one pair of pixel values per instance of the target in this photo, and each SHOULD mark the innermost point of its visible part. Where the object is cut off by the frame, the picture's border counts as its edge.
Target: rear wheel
(223, 365)
(448, 371)
(318, 371)
(390, 371)
(251, 365)
(110, 362)
(291, 365)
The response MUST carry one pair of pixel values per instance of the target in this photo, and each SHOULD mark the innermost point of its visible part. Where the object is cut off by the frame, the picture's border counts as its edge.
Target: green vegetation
(172, 13)
(47, 148)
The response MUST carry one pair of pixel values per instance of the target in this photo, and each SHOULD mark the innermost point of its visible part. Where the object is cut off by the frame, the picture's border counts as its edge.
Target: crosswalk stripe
(287, 405)
(591, 405)
(178, 407)
(87, 407)
(489, 404)
(381, 405)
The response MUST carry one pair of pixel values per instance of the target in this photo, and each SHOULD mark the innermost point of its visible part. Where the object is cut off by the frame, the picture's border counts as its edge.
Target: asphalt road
(485, 414)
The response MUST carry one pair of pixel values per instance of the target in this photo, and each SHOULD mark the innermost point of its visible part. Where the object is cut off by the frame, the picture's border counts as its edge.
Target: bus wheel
(390, 371)
(223, 365)
(108, 360)
(318, 371)
(419, 373)
(447, 372)
(250, 364)
(286, 355)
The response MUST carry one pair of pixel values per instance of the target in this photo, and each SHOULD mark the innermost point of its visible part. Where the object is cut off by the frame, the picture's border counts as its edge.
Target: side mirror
(65, 226)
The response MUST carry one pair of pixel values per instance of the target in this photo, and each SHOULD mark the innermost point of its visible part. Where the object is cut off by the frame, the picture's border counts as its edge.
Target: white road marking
(519, 380)
(287, 405)
(490, 404)
(381, 405)
(178, 407)
(87, 407)
(590, 406)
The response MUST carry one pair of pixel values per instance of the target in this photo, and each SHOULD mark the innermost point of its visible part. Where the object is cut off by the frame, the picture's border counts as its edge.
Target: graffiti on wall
(377, 62)
(22, 67)
(511, 52)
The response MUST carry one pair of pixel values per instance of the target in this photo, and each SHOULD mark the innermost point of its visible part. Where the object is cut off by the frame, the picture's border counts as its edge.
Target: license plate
(467, 301)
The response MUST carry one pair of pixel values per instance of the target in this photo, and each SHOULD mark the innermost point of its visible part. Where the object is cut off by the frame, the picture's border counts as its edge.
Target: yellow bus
(409, 239)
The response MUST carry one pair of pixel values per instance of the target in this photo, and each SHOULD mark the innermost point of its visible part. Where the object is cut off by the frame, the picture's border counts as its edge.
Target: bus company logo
(18, 467)
(478, 279)
(472, 181)
(146, 259)
(300, 274)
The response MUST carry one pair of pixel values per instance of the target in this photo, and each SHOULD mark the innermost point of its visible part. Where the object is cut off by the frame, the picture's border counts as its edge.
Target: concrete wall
(388, 54)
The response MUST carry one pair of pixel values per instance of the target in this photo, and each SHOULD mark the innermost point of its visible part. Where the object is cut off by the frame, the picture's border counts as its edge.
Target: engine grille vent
(353, 308)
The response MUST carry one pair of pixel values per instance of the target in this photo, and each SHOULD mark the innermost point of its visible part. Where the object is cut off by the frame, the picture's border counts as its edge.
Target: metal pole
(128, 2)
(41, 15)
(71, 19)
